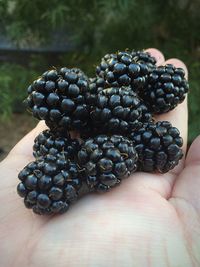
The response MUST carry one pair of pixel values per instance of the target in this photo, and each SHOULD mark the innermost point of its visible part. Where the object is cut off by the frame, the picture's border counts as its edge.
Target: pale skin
(151, 220)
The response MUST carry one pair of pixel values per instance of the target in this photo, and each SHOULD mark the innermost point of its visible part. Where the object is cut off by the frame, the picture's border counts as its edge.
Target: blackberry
(117, 110)
(123, 69)
(166, 88)
(48, 143)
(95, 128)
(107, 160)
(58, 97)
(50, 185)
(158, 146)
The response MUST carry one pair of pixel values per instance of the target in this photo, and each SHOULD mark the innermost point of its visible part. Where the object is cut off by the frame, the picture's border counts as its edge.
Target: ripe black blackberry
(107, 160)
(117, 110)
(166, 88)
(158, 146)
(123, 69)
(48, 143)
(50, 185)
(58, 97)
(94, 128)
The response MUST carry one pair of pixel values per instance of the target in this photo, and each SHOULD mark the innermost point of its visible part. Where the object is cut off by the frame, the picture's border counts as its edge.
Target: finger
(179, 116)
(160, 59)
(187, 186)
(193, 156)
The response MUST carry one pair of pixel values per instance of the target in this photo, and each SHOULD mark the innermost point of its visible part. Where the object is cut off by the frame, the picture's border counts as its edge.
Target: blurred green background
(40, 34)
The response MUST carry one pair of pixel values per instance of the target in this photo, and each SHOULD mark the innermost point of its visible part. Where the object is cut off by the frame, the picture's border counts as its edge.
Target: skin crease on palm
(151, 220)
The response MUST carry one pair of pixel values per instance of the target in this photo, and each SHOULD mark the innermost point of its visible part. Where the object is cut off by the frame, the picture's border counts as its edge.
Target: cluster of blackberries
(113, 117)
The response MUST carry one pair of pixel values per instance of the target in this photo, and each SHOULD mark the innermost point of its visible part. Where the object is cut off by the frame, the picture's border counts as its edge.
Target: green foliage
(104, 25)
(13, 81)
(97, 27)
(194, 101)
(100, 25)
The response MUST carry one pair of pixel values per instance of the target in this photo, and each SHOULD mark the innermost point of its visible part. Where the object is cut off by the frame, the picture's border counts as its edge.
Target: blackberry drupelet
(50, 185)
(143, 57)
(96, 85)
(146, 115)
(166, 88)
(158, 146)
(107, 160)
(48, 143)
(77, 71)
(117, 110)
(58, 97)
(123, 69)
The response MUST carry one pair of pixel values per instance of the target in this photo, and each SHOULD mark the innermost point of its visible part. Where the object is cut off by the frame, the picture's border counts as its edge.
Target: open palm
(150, 220)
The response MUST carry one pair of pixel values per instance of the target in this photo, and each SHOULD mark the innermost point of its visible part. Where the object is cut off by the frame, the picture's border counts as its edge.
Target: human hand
(149, 220)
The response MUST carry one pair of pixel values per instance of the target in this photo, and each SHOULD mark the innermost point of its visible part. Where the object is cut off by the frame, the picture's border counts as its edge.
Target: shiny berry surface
(49, 187)
(107, 160)
(158, 146)
(166, 88)
(59, 98)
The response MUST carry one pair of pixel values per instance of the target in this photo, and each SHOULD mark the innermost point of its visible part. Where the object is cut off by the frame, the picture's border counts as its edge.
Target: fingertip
(25, 146)
(158, 55)
(41, 126)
